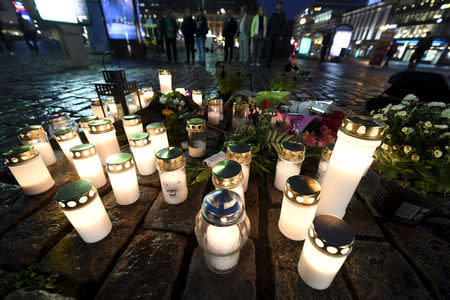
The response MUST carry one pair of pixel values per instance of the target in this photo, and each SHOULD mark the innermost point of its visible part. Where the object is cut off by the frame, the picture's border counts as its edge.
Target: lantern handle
(110, 53)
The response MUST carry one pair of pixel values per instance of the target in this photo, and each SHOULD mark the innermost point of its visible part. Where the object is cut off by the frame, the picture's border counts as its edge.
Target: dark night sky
(291, 7)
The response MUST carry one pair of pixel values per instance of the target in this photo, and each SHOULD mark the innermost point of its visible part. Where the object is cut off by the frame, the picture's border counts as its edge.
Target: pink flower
(309, 139)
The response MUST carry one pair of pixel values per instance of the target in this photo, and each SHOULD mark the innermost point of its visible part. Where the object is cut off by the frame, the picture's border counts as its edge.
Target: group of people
(422, 46)
(29, 35)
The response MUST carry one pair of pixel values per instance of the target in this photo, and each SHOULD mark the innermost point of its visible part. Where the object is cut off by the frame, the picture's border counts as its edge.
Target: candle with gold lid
(240, 113)
(88, 164)
(197, 98)
(214, 111)
(122, 175)
(241, 153)
(171, 165)
(29, 170)
(289, 163)
(132, 124)
(143, 153)
(227, 174)
(80, 202)
(85, 127)
(59, 121)
(158, 136)
(300, 198)
(165, 81)
(358, 138)
(104, 138)
(115, 109)
(323, 164)
(196, 128)
(67, 138)
(99, 108)
(35, 135)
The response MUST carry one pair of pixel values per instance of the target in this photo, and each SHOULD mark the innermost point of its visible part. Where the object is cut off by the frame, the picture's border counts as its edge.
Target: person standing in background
(29, 33)
(201, 30)
(244, 35)
(169, 28)
(390, 53)
(275, 30)
(4, 40)
(326, 42)
(258, 35)
(188, 29)
(229, 33)
(423, 45)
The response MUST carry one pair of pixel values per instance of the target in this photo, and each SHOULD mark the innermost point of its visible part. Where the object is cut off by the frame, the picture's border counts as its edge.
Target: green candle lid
(20, 154)
(75, 194)
(155, 128)
(140, 139)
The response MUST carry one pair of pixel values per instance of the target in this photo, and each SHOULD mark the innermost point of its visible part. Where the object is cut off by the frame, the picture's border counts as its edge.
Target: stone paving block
(377, 271)
(151, 180)
(440, 226)
(238, 284)
(276, 197)
(177, 218)
(148, 268)
(427, 252)
(252, 208)
(25, 243)
(366, 189)
(87, 263)
(8, 190)
(360, 220)
(285, 254)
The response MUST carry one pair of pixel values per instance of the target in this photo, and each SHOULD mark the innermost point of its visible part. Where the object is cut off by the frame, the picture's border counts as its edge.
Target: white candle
(289, 163)
(35, 135)
(158, 136)
(227, 174)
(132, 101)
(88, 164)
(85, 127)
(122, 175)
(197, 149)
(46, 152)
(221, 242)
(143, 153)
(214, 111)
(165, 81)
(328, 244)
(197, 98)
(298, 208)
(171, 165)
(357, 140)
(67, 138)
(147, 96)
(240, 113)
(28, 169)
(214, 117)
(182, 91)
(132, 124)
(323, 164)
(99, 110)
(104, 138)
(115, 109)
(221, 109)
(241, 153)
(197, 138)
(81, 204)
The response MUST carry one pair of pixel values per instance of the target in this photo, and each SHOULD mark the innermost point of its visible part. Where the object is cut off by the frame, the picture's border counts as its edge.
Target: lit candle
(328, 244)
(80, 202)
(358, 138)
(28, 169)
(158, 136)
(323, 164)
(243, 155)
(122, 175)
(197, 139)
(146, 96)
(104, 138)
(227, 174)
(132, 101)
(214, 111)
(221, 109)
(240, 113)
(289, 163)
(197, 98)
(85, 127)
(99, 108)
(88, 164)
(182, 91)
(222, 229)
(132, 124)
(299, 206)
(171, 165)
(143, 153)
(35, 135)
(165, 81)
(115, 109)
(67, 138)
(59, 121)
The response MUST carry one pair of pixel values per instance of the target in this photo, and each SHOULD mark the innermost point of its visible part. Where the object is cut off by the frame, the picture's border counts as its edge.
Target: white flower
(176, 101)
(407, 149)
(372, 112)
(405, 130)
(162, 100)
(426, 131)
(377, 116)
(438, 126)
(182, 103)
(427, 124)
(401, 113)
(446, 113)
(398, 107)
(385, 147)
(179, 108)
(436, 104)
(411, 97)
(384, 118)
(437, 153)
(415, 157)
(447, 134)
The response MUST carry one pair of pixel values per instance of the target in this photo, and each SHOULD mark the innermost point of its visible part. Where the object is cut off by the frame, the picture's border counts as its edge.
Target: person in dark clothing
(390, 53)
(201, 30)
(423, 45)
(4, 40)
(275, 29)
(29, 33)
(169, 29)
(188, 29)
(326, 42)
(229, 33)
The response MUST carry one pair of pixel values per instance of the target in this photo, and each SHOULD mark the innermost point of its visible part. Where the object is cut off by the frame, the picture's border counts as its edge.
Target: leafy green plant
(285, 81)
(197, 172)
(229, 79)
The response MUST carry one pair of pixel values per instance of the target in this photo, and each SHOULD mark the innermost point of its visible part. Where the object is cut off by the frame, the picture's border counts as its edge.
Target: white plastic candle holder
(67, 138)
(328, 244)
(35, 135)
(171, 166)
(115, 109)
(197, 98)
(80, 202)
(85, 127)
(104, 138)
(358, 138)
(165, 81)
(299, 206)
(182, 91)
(60, 121)
(143, 153)
(240, 113)
(158, 136)
(28, 169)
(99, 108)
(196, 129)
(214, 107)
(122, 175)
(243, 155)
(146, 96)
(227, 174)
(222, 228)
(132, 124)
(323, 163)
(88, 164)
(289, 163)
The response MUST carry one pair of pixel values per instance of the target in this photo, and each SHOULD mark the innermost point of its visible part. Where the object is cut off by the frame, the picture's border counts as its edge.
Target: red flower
(265, 105)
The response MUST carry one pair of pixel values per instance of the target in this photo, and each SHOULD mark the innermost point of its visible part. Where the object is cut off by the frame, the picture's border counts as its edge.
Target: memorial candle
(104, 138)
(35, 135)
(165, 81)
(146, 96)
(197, 138)
(171, 165)
(143, 153)
(323, 163)
(227, 174)
(158, 136)
(182, 91)
(197, 98)
(241, 153)
(115, 109)
(132, 124)
(214, 111)
(80, 202)
(122, 175)
(358, 138)
(99, 108)
(289, 163)
(88, 164)
(85, 127)
(67, 138)
(240, 113)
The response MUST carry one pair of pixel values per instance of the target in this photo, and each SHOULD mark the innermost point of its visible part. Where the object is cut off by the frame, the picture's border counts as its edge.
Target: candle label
(171, 189)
